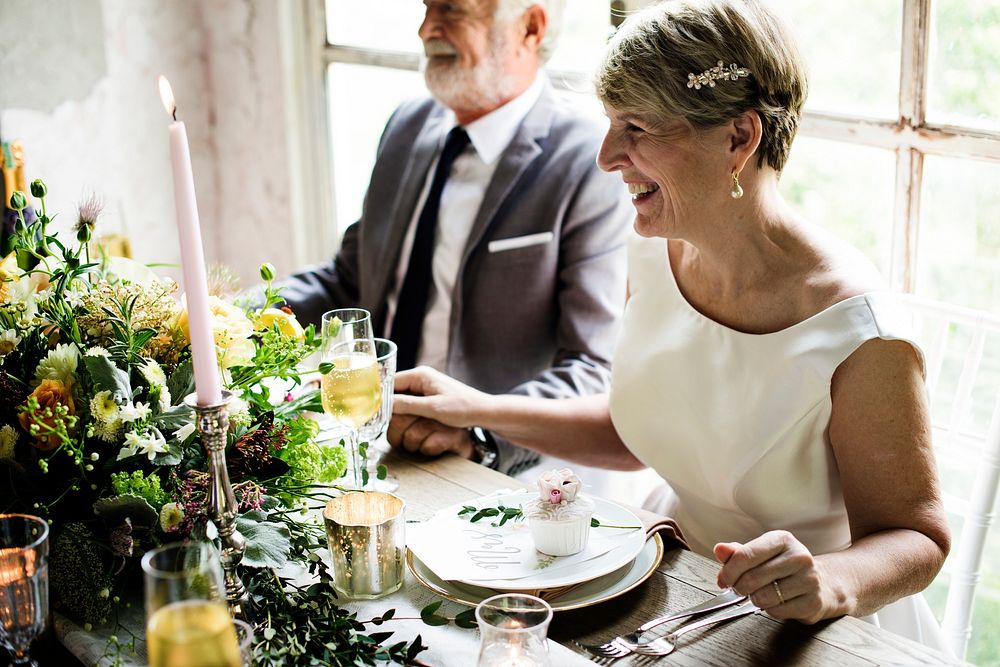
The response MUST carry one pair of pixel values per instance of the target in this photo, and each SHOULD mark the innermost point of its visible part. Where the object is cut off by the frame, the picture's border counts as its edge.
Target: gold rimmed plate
(592, 592)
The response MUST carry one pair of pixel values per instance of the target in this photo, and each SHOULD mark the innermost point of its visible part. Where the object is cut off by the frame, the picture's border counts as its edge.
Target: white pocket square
(520, 242)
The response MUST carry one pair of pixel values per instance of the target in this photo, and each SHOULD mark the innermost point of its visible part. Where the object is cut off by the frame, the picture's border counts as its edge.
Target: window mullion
(903, 262)
(909, 159)
(913, 63)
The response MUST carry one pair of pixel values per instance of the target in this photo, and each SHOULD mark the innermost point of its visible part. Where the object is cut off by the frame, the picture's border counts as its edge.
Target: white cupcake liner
(560, 538)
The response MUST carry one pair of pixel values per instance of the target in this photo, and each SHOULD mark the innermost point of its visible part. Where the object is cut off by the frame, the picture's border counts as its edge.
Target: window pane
(585, 29)
(852, 48)
(958, 256)
(361, 99)
(390, 25)
(964, 78)
(847, 189)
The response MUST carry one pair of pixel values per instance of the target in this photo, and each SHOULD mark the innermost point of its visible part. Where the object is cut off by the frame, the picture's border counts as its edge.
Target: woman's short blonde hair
(649, 60)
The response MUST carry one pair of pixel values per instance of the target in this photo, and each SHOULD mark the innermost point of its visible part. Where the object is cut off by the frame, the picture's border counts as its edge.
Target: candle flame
(167, 95)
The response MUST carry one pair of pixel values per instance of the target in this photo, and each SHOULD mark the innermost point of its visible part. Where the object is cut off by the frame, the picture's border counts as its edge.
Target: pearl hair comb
(719, 72)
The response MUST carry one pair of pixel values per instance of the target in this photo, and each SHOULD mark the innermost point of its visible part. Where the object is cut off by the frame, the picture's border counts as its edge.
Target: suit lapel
(411, 183)
(515, 160)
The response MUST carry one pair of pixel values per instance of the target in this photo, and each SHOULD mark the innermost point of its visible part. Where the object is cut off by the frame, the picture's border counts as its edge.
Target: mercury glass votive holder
(366, 531)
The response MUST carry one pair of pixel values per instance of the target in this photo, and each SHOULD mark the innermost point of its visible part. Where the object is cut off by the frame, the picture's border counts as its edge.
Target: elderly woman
(758, 371)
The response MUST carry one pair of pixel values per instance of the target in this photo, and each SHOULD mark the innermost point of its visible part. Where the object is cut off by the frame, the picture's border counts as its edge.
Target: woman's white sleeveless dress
(737, 423)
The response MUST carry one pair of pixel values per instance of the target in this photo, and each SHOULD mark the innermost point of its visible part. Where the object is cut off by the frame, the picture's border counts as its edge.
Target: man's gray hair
(508, 10)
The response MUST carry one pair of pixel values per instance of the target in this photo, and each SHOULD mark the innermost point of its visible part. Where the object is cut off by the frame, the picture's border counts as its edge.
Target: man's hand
(428, 437)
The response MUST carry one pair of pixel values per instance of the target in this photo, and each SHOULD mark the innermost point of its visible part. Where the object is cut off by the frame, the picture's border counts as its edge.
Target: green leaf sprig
(517, 514)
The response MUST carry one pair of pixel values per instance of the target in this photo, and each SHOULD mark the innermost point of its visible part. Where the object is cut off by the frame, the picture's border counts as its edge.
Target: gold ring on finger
(777, 589)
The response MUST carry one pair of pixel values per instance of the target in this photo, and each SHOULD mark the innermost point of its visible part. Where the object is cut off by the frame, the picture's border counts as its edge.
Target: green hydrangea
(137, 484)
(310, 461)
(78, 575)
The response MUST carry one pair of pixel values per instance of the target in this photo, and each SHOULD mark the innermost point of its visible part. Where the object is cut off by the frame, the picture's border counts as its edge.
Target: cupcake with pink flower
(559, 517)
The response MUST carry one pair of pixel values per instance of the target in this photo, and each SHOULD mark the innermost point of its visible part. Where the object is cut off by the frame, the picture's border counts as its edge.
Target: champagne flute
(24, 583)
(374, 429)
(187, 620)
(350, 385)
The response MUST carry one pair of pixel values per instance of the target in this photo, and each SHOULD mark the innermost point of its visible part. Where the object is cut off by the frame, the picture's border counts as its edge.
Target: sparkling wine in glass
(187, 620)
(350, 385)
(24, 583)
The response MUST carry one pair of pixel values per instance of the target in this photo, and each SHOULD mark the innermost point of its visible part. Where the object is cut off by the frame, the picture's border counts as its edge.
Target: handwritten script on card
(455, 549)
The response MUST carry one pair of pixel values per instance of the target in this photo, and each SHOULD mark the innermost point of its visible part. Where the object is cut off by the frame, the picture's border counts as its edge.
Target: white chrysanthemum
(171, 516)
(8, 438)
(134, 412)
(104, 408)
(164, 398)
(8, 342)
(184, 432)
(97, 351)
(108, 431)
(153, 373)
(60, 364)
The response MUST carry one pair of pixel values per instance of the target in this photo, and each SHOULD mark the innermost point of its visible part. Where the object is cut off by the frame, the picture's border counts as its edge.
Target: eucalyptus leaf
(466, 619)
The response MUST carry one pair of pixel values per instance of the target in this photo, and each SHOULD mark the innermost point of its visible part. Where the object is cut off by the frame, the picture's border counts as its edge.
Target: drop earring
(736, 191)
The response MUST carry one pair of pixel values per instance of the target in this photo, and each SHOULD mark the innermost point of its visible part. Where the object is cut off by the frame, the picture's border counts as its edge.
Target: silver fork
(621, 646)
(665, 645)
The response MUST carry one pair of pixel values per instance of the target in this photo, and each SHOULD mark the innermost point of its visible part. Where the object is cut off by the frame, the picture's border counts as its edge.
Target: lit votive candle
(366, 535)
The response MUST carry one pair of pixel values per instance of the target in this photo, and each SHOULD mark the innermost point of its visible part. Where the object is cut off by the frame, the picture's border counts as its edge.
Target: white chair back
(962, 348)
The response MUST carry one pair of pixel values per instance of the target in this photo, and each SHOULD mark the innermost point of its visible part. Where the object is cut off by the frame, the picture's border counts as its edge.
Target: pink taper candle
(206, 366)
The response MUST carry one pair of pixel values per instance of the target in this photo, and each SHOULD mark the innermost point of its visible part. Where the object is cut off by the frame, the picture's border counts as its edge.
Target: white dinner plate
(597, 590)
(606, 512)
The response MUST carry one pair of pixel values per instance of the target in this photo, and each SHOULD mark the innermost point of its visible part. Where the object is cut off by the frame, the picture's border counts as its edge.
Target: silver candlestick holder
(213, 423)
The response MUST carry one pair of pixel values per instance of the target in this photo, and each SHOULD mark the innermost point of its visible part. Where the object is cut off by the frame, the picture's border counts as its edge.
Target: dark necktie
(407, 325)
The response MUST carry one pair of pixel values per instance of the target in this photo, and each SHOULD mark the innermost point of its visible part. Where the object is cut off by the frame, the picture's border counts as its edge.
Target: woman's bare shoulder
(840, 271)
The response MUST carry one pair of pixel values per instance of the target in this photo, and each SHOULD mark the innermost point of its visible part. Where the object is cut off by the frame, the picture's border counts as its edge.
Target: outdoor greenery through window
(898, 153)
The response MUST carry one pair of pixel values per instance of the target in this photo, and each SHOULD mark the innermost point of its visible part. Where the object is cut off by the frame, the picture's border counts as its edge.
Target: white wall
(81, 95)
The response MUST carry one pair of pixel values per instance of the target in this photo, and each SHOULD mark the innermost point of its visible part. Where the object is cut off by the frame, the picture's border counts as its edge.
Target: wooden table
(682, 579)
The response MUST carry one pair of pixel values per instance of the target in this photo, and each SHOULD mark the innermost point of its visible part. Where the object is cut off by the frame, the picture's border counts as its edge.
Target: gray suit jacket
(539, 320)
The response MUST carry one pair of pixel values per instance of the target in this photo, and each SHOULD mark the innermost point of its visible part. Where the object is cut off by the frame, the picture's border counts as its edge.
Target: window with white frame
(898, 151)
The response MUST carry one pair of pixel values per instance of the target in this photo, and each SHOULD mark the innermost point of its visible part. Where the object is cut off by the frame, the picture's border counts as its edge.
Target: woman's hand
(802, 592)
(425, 392)
(431, 412)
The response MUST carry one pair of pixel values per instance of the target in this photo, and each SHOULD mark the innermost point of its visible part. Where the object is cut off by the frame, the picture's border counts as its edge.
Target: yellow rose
(49, 394)
(283, 317)
(9, 272)
(231, 330)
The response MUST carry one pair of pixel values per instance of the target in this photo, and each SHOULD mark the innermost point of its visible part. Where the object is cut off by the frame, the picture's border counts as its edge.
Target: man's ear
(745, 135)
(536, 23)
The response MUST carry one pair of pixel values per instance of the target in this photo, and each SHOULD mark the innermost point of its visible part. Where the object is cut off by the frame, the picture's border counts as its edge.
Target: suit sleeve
(591, 299)
(318, 289)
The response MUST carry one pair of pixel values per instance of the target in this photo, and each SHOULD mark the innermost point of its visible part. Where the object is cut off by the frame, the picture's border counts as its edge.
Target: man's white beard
(483, 87)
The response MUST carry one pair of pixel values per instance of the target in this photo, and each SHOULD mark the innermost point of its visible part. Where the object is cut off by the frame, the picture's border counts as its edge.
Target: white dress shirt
(460, 200)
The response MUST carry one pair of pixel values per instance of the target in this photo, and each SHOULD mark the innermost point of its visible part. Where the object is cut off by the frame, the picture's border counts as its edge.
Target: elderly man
(490, 246)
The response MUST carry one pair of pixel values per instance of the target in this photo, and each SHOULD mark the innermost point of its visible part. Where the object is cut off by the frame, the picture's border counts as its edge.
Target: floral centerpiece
(95, 437)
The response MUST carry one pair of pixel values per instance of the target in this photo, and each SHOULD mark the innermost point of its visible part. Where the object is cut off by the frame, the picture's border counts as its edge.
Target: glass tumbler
(24, 583)
(513, 628)
(366, 532)
(187, 619)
